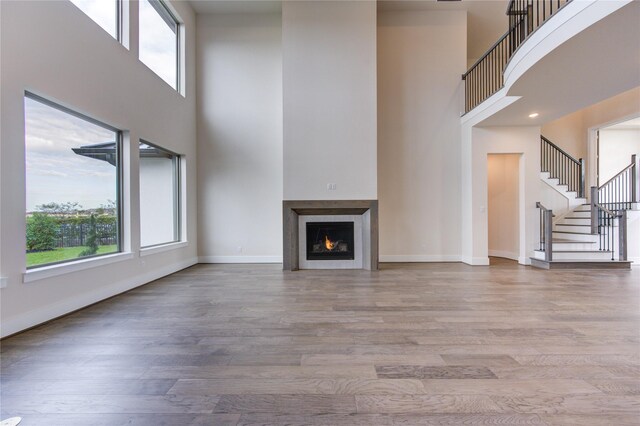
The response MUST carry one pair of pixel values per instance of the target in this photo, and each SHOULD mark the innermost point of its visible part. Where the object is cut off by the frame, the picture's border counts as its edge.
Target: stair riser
(568, 264)
(575, 256)
(575, 247)
(581, 214)
(584, 221)
(584, 238)
(570, 228)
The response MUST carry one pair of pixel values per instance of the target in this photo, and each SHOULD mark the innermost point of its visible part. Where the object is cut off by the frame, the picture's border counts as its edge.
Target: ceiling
(596, 64)
(487, 20)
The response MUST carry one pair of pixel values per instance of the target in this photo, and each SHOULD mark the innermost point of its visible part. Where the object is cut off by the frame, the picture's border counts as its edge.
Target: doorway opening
(503, 205)
(611, 146)
(615, 146)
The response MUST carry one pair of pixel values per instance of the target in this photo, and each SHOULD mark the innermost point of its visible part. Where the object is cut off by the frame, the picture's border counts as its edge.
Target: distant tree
(63, 209)
(107, 209)
(92, 239)
(41, 232)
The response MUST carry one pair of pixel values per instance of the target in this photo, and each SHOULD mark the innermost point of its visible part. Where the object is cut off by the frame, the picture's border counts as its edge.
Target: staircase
(574, 246)
(593, 234)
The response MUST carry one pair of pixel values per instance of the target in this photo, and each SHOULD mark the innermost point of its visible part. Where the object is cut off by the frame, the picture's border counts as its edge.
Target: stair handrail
(621, 191)
(572, 174)
(528, 17)
(565, 153)
(603, 223)
(546, 231)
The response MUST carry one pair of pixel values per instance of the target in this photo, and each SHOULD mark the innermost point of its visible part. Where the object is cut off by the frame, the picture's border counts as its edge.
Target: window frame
(119, 141)
(172, 21)
(119, 30)
(177, 195)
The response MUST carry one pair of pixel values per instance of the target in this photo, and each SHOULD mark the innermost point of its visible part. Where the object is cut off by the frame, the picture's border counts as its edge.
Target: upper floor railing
(485, 77)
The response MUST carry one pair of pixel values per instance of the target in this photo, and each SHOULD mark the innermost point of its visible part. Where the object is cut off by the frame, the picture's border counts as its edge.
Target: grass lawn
(60, 254)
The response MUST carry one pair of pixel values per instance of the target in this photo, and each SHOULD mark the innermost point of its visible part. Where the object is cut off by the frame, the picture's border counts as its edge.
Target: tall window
(72, 184)
(103, 12)
(159, 195)
(159, 40)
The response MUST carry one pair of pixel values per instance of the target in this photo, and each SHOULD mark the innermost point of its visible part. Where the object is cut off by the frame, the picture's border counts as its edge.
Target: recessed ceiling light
(534, 115)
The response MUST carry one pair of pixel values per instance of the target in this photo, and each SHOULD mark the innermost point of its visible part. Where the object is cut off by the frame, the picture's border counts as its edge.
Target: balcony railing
(485, 77)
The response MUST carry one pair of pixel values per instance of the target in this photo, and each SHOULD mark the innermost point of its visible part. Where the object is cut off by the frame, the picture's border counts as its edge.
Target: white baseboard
(240, 259)
(524, 260)
(402, 258)
(635, 260)
(475, 261)
(505, 254)
(46, 313)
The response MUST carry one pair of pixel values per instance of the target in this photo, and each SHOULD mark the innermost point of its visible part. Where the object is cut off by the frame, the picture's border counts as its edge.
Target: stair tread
(563, 241)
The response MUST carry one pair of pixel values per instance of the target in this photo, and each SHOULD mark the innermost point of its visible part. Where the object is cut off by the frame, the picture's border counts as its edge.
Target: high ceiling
(597, 63)
(487, 20)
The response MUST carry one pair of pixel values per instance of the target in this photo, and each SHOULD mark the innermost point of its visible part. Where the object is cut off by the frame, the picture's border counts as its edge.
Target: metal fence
(76, 234)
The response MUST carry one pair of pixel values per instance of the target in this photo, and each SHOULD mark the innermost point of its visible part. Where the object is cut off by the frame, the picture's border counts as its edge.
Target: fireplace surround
(362, 213)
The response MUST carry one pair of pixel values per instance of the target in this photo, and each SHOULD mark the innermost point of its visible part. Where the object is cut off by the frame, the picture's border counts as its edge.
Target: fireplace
(341, 234)
(330, 241)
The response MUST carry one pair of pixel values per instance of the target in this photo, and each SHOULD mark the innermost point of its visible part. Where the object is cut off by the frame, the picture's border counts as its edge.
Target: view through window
(159, 195)
(159, 40)
(72, 197)
(103, 12)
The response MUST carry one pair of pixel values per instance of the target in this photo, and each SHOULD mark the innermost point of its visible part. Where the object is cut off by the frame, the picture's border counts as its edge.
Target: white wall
(503, 199)
(573, 131)
(421, 55)
(329, 71)
(616, 148)
(569, 133)
(240, 138)
(554, 200)
(53, 49)
(477, 143)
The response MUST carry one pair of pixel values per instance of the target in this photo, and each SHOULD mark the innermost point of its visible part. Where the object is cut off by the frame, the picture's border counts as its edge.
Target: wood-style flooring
(424, 344)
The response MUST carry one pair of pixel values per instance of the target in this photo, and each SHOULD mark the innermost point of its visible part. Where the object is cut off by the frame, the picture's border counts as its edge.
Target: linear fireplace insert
(330, 241)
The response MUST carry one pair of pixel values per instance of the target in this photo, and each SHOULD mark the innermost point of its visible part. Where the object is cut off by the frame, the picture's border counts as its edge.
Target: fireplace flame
(328, 243)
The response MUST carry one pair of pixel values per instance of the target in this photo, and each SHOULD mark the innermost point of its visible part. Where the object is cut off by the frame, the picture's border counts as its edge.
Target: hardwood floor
(427, 344)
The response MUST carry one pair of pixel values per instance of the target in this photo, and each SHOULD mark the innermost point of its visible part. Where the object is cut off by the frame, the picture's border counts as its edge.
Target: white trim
(402, 258)
(524, 260)
(475, 261)
(38, 316)
(360, 228)
(240, 259)
(37, 274)
(504, 254)
(147, 251)
(635, 261)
